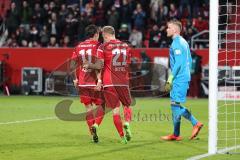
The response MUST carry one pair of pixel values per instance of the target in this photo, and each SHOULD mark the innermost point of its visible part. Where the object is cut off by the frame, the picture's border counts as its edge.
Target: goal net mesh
(229, 77)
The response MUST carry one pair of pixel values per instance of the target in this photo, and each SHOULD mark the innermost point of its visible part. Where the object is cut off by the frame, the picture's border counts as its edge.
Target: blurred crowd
(61, 23)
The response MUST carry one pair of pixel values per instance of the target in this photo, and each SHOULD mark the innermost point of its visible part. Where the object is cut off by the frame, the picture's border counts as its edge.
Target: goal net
(224, 113)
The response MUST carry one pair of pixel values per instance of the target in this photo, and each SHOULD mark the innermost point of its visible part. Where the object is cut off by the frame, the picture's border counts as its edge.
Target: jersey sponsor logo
(177, 51)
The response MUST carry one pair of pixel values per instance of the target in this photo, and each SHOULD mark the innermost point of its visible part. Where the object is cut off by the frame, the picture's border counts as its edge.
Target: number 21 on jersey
(117, 53)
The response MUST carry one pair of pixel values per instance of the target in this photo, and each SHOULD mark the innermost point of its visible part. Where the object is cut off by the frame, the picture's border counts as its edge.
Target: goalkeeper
(178, 81)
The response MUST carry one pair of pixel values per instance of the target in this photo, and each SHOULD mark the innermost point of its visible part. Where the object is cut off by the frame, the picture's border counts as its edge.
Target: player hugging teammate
(103, 72)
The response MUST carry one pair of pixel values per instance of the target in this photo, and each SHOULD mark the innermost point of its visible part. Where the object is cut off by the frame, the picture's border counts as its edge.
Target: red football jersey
(116, 55)
(86, 50)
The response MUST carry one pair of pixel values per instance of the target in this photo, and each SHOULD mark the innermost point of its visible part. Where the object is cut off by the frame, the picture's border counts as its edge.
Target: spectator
(26, 14)
(136, 38)
(155, 36)
(99, 14)
(164, 41)
(123, 34)
(4, 6)
(113, 18)
(63, 12)
(52, 24)
(173, 13)
(126, 14)
(70, 29)
(66, 42)
(12, 41)
(52, 7)
(195, 5)
(24, 43)
(44, 34)
(154, 7)
(185, 4)
(22, 34)
(34, 34)
(139, 17)
(69, 18)
(18, 4)
(162, 13)
(108, 3)
(83, 22)
(53, 42)
(37, 16)
(45, 13)
(205, 11)
(194, 88)
(200, 24)
(189, 31)
(12, 19)
(88, 10)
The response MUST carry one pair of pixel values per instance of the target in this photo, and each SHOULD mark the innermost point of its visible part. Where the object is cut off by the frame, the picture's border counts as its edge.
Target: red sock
(90, 119)
(99, 115)
(118, 124)
(127, 114)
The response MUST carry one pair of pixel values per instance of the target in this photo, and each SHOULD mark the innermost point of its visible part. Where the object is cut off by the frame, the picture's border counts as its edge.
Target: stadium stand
(61, 23)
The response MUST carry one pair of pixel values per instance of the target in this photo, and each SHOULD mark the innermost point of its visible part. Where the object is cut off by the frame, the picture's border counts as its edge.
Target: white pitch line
(26, 121)
(221, 151)
(200, 156)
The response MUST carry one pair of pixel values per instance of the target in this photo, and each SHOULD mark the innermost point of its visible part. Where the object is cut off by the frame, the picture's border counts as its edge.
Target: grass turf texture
(60, 140)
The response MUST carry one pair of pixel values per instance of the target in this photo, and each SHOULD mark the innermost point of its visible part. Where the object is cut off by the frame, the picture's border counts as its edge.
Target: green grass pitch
(53, 139)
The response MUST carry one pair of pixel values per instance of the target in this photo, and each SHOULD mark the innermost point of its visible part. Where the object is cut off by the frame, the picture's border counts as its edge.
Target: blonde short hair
(109, 30)
(177, 23)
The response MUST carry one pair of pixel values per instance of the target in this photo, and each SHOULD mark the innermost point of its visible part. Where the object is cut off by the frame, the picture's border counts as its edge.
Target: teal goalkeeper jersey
(180, 60)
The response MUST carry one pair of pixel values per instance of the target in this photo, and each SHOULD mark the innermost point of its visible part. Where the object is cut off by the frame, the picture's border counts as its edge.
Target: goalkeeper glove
(168, 85)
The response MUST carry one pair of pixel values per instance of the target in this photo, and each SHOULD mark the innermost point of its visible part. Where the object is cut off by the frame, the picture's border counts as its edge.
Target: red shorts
(89, 96)
(115, 94)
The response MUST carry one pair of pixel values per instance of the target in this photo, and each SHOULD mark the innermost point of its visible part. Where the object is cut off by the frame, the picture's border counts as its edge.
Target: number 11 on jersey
(85, 53)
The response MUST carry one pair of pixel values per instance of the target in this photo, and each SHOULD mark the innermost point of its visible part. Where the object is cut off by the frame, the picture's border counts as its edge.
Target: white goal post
(213, 76)
(224, 77)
